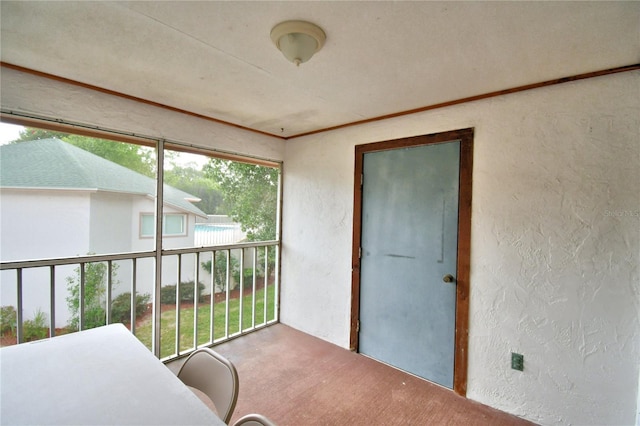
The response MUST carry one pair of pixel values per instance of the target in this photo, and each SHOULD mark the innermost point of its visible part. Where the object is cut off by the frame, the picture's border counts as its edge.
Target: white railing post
(52, 301)
(196, 299)
(134, 299)
(19, 316)
(156, 307)
(178, 301)
(228, 285)
(81, 298)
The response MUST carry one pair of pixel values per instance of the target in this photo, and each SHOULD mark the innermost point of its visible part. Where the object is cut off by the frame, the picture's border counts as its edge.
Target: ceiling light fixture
(298, 40)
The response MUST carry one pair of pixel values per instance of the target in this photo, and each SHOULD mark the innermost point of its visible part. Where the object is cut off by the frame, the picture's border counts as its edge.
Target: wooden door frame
(465, 136)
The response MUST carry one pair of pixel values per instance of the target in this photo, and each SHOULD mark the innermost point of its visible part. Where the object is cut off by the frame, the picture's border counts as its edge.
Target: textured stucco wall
(555, 244)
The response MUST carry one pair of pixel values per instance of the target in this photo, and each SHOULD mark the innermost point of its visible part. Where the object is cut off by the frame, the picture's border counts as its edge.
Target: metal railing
(170, 332)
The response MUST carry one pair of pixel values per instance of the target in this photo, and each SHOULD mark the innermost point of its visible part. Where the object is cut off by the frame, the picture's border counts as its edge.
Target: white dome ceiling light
(298, 40)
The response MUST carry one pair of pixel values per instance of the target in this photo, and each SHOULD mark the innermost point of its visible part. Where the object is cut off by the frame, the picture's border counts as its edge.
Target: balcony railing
(230, 290)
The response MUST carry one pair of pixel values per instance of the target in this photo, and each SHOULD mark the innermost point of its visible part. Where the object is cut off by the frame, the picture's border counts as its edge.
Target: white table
(99, 376)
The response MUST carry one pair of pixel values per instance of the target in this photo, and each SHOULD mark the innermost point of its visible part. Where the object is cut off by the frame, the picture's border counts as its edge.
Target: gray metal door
(409, 247)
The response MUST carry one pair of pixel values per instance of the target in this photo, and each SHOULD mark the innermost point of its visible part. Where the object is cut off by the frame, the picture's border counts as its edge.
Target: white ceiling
(215, 58)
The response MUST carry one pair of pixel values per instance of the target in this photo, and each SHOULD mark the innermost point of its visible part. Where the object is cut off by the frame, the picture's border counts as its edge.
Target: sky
(9, 132)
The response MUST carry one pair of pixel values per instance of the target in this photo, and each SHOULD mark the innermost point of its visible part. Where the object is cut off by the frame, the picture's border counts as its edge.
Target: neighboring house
(58, 200)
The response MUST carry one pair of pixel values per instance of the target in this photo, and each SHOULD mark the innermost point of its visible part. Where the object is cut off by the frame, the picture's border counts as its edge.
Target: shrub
(221, 269)
(248, 277)
(36, 328)
(94, 291)
(8, 319)
(220, 272)
(168, 293)
(121, 307)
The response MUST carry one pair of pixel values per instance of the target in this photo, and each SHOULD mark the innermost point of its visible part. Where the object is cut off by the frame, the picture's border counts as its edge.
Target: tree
(193, 181)
(250, 195)
(138, 158)
(34, 134)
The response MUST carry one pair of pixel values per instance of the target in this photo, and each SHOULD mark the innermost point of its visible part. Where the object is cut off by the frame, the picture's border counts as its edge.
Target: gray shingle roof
(54, 164)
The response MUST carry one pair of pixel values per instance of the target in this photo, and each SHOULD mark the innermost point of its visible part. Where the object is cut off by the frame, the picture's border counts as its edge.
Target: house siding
(27, 232)
(110, 223)
(26, 229)
(40, 224)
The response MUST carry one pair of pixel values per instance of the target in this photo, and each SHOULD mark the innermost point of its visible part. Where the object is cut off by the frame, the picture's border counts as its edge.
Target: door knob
(448, 278)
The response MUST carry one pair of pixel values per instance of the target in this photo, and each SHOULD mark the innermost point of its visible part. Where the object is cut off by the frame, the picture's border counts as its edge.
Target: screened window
(207, 201)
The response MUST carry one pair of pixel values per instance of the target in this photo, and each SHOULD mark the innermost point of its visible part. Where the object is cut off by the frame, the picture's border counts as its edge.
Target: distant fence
(215, 234)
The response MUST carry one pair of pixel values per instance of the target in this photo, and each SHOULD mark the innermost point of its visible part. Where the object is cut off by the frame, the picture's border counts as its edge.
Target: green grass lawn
(168, 322)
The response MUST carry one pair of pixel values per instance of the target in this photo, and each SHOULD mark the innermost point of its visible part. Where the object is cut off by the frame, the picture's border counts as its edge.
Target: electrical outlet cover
(517, 361)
